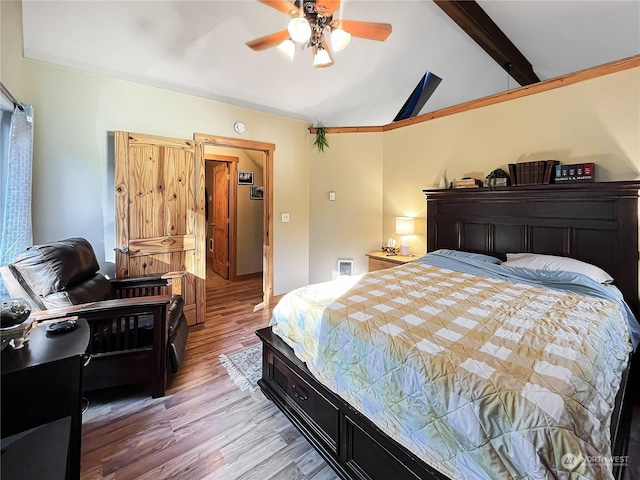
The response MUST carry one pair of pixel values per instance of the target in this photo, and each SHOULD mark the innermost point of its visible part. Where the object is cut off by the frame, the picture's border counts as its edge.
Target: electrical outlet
(285, 217)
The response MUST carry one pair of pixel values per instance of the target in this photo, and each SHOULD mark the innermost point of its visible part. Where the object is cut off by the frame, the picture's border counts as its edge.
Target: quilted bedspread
(479, 377)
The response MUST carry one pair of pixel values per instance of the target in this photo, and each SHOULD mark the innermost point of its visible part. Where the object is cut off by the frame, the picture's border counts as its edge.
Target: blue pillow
(473, 256)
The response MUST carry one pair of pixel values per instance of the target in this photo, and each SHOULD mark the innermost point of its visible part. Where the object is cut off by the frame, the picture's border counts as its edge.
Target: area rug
(244, 367)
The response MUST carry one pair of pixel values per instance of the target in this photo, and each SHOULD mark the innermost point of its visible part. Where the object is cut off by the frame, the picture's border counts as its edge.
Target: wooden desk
(380, 260)
(42, 383)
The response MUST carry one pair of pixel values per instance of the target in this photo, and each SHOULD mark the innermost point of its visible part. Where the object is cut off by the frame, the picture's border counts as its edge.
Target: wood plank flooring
(205, 427)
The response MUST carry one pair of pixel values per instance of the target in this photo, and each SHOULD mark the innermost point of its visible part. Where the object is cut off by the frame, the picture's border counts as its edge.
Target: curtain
(16, 155)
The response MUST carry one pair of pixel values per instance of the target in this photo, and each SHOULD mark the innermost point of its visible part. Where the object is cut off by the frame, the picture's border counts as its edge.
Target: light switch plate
(285, 217)
(332, 196)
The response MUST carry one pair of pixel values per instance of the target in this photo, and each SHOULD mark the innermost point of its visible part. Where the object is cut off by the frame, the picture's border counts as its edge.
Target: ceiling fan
(310, 19)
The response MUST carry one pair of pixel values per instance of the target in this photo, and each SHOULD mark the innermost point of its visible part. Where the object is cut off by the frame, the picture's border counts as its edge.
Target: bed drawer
(367, 458)
(311, 403)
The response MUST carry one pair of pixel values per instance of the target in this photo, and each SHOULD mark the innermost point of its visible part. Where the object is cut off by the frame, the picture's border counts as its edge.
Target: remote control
(61, 327)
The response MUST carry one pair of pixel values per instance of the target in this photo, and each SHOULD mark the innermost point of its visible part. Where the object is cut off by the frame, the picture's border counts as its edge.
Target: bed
(457, 366)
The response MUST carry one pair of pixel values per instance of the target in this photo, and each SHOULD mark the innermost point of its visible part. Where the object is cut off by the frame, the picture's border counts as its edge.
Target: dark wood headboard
(592, 222)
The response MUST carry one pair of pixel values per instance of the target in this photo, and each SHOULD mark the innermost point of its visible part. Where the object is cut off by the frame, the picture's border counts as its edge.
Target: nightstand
(42, 405)
(380, 260)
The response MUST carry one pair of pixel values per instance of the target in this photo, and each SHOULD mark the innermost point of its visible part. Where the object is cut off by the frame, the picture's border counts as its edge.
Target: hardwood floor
(204, 428)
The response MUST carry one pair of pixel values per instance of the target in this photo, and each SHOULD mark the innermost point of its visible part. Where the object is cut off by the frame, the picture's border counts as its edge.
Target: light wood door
(221, 220)
(159, 185)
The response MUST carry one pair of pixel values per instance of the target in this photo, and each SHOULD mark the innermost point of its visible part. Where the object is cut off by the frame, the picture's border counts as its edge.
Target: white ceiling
(198, 47)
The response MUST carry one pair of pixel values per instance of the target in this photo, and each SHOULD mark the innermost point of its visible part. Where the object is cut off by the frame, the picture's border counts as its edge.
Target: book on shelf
(542, 167)
(577, 172)
(467, 183)
(512, 174)
(520, 173)
(536, 172)
(549, 171)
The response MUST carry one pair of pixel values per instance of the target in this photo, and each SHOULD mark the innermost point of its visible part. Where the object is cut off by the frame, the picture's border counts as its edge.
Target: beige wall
(596, 121)
(250, 212)
(73, 170)
(250, 217)
(384, 173)
(350, 226)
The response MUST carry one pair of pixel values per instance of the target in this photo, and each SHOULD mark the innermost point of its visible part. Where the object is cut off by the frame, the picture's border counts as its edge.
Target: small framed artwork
(345, 267)
(257, 193)
(245, 178)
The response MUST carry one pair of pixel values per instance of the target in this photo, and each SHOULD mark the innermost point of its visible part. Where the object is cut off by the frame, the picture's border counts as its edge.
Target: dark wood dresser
(42, 405)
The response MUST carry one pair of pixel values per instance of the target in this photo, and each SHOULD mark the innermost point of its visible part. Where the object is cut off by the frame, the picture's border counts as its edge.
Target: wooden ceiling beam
(479, 26)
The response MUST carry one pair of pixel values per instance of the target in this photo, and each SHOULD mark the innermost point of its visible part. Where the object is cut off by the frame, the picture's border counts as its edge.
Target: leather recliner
(62, 277)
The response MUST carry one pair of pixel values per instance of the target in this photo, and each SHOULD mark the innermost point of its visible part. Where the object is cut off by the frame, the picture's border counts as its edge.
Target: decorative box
(495, 182)
(392, 250)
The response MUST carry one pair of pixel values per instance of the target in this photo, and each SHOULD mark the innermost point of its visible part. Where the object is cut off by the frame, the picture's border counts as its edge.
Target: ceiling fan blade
(327, 7)
(368, 30)
(268, 41)
(284, 6)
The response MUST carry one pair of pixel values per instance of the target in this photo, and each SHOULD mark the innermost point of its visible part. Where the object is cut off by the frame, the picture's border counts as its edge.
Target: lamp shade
(340, 39)
(322, 58)
(405, 226)
(287, 48)
(299, 29)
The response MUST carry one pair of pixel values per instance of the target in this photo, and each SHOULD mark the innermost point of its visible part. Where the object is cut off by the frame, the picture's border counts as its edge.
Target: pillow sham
(615, 290)
(551, 262)
(474, 256)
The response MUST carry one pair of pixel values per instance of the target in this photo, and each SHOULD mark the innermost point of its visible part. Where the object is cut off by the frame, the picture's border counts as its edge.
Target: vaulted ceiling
(198, 47)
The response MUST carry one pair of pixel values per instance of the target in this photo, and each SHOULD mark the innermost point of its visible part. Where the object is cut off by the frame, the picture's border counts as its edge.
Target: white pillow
(551, 262)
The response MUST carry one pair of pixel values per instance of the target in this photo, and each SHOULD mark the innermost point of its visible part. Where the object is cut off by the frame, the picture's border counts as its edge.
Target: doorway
(267, 150)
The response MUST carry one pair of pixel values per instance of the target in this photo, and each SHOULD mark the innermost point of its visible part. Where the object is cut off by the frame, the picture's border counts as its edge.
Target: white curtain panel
(16, 157)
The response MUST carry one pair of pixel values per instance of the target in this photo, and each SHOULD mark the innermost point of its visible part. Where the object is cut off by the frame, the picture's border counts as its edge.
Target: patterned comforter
(480, 377)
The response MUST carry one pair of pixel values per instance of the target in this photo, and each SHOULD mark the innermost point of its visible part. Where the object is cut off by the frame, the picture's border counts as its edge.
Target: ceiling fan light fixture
(322, 58)
(299, 29)
(287, 48)
(339, 39)
(310, 23)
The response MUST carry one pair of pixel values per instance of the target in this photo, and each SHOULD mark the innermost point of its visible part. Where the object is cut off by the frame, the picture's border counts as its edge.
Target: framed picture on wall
(245, 178)
(257, 193)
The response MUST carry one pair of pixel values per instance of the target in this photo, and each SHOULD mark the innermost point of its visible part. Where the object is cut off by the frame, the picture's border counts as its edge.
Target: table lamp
(405, 226)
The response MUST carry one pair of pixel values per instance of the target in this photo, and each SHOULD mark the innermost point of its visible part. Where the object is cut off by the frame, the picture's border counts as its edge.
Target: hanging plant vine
(321, 138)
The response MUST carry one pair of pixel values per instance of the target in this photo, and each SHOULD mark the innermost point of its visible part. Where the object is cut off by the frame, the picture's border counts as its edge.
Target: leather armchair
(138, 329)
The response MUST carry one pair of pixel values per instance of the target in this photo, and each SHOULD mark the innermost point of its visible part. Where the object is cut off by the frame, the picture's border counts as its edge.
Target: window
(16, 158)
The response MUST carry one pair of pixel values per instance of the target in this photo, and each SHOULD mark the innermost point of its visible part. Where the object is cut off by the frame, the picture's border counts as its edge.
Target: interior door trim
(268, 149)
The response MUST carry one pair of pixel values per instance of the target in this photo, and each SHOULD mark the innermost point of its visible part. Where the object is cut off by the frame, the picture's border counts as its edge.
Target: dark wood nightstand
(380, 260)
(42, 405)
